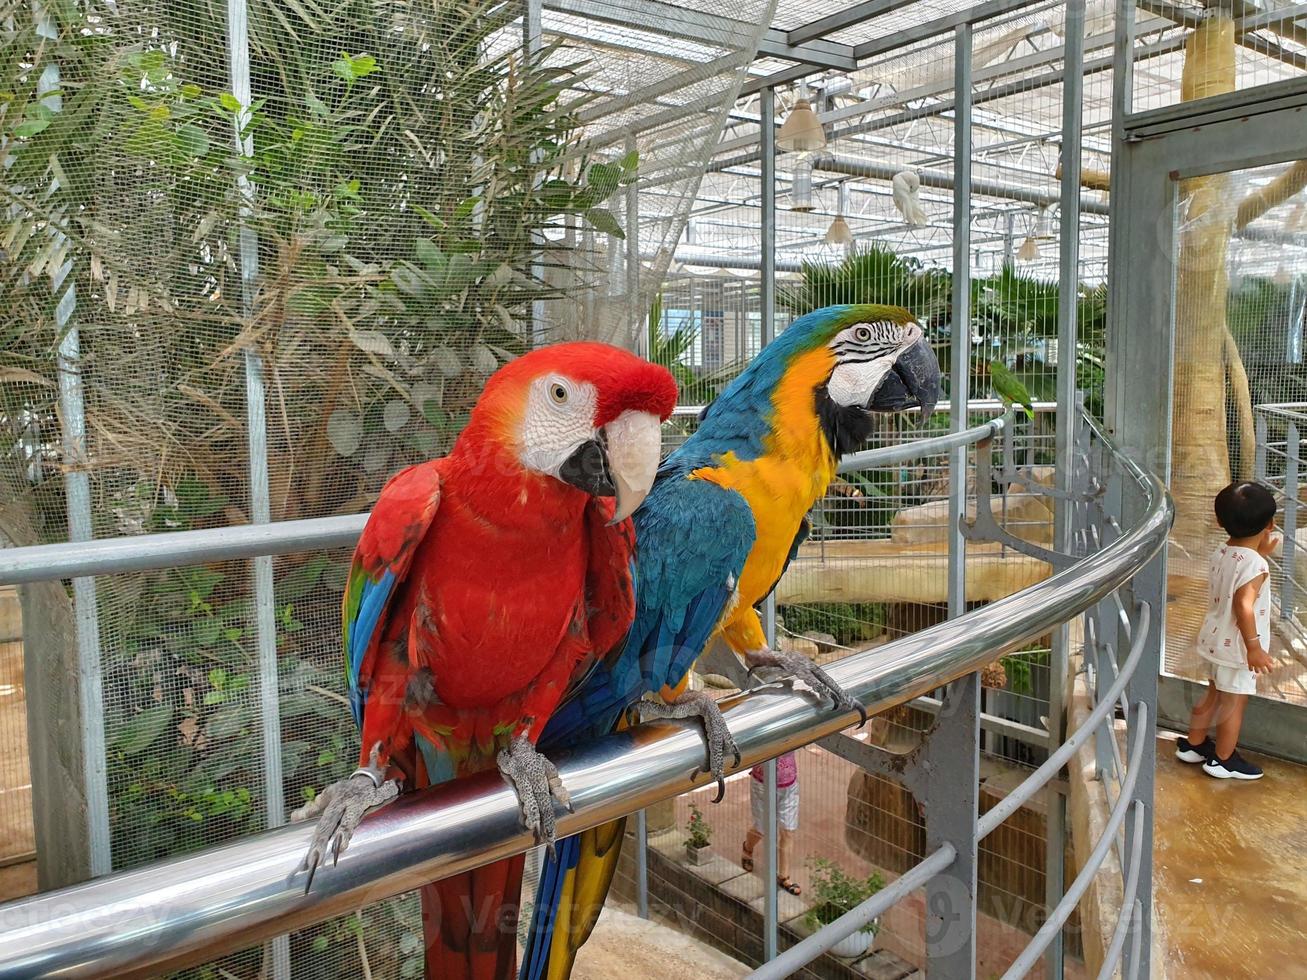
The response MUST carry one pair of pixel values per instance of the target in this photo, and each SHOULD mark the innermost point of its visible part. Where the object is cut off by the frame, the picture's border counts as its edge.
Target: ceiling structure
(880, 75)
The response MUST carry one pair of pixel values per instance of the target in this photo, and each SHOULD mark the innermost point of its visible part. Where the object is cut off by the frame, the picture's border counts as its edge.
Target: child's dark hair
(1245, 509)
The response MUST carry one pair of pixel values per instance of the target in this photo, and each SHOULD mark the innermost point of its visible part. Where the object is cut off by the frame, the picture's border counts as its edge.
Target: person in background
(787, 817)
(1236, 633)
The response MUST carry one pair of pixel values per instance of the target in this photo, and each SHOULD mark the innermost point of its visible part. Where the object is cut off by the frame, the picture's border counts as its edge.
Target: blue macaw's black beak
(914, 380)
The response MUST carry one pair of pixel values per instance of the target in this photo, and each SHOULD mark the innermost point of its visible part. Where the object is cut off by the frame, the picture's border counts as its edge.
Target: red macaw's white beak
(635, 443)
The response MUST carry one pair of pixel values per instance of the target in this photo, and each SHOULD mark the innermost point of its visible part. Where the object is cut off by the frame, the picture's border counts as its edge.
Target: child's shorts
(1233, 680)
(787, 805)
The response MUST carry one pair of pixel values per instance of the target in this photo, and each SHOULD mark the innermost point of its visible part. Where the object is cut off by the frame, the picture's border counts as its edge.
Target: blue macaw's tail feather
(544, 914)
(569, 898)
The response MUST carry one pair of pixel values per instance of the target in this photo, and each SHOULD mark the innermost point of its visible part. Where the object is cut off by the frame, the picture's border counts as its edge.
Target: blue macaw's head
(844, 362)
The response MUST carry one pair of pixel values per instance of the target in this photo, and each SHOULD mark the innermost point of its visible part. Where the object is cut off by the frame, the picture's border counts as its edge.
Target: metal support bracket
(984, 528)
(904, 768)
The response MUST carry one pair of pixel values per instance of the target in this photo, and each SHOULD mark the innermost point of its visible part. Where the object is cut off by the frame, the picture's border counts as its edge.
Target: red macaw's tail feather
(470, 923)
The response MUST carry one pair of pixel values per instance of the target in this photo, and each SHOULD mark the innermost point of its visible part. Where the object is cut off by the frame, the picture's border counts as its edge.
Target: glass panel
(1240, 408)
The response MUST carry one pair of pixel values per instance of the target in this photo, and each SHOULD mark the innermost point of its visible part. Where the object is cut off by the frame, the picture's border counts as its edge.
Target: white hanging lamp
(839, 232)
(802, 131)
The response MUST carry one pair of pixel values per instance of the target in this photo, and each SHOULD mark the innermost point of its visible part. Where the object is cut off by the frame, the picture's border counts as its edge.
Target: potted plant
(837, 892)
(696, 845)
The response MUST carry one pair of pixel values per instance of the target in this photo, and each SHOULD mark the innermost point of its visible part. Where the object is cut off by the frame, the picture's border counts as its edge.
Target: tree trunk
(1200, 458)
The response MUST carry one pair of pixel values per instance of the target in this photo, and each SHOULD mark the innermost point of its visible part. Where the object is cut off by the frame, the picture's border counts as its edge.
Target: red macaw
(482, 583)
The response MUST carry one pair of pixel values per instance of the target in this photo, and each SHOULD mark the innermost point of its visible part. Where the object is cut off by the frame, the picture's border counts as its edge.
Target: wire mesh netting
(293, 239)
(1187, 50)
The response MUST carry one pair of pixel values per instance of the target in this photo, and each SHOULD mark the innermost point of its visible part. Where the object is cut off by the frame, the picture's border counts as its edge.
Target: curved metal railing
(188, 909)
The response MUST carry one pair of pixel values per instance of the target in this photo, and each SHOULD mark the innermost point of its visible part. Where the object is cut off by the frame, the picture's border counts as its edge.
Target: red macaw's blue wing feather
(398, 522)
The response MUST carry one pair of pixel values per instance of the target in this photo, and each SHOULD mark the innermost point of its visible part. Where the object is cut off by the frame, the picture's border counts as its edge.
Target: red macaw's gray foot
(537, 784)
(797, 666)
(699, 704)
(339, 809)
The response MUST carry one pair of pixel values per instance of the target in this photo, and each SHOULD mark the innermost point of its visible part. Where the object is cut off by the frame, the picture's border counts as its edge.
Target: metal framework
(188, 909)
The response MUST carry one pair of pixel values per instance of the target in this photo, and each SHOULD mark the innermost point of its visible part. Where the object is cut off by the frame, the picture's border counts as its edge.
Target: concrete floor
(1230, 871)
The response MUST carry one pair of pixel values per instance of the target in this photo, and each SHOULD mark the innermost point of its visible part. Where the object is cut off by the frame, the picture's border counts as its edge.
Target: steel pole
(265, 598)
(953, 746)
(767, 304)
(77, 502)
(1067, 418)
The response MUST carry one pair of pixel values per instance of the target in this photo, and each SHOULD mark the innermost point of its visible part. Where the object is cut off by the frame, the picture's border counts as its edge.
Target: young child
(1236, 633)
(787, 817)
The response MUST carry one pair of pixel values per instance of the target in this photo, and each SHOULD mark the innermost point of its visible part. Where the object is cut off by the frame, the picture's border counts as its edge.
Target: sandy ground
(624, 945)
(1230, 871)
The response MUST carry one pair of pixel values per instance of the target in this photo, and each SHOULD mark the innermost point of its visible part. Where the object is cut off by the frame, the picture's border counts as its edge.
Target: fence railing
(189, 909)
(1277, 463)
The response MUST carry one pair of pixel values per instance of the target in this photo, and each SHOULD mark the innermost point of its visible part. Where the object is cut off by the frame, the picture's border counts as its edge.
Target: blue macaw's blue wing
(692, 539)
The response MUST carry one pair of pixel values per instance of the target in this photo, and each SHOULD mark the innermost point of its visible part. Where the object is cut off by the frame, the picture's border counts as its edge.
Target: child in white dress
(1236, 633)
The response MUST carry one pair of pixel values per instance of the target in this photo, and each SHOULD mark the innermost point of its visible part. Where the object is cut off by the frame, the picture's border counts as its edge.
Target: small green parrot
(1009, 388)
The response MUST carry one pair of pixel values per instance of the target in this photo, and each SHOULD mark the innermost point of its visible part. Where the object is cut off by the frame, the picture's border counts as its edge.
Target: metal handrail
(142, 552)
(934, 446)
(186, 910)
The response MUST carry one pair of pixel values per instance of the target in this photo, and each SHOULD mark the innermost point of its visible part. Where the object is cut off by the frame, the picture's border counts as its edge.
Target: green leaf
(140, 732)
(29, 128)
(191, 91)
(37, 119)
(218, 678)
(320, 944)
(434, 414)
(363, 65)
(192, 141)
(229, 102)
(206, 631)
(326, 757)
(214, 697)
(603, 220)
(428, 253)
(602, 179)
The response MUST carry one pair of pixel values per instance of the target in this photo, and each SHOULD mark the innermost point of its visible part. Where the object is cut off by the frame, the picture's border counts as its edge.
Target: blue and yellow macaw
(726, 515)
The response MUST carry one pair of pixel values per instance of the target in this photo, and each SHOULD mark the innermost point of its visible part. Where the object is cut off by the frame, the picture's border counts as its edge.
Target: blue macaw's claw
(914, 381)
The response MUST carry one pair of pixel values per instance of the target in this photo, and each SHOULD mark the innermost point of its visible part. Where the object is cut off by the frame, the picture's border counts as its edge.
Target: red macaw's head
(585, 413)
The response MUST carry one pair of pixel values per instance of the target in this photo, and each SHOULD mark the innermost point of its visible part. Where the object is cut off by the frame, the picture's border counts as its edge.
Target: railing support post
(1292, 460)
(954, 746)
(642, 863)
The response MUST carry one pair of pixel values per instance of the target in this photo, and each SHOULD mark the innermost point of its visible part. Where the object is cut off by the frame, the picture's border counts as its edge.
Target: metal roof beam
(859, 13)
(669, 20)
(936, 27)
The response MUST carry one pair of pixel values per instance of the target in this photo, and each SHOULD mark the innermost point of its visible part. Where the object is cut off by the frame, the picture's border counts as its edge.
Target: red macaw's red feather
(505, 583)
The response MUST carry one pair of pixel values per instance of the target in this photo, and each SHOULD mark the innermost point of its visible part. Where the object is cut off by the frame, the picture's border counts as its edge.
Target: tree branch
(1272, 195)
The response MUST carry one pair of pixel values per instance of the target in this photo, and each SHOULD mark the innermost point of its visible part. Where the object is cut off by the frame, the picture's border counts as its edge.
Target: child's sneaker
(1186, 751)
(1235, 767)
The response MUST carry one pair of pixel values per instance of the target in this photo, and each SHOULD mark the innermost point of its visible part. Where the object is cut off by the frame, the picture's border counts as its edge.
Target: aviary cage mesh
(297, 236)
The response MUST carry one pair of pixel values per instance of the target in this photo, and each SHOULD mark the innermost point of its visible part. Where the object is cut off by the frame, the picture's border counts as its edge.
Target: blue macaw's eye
(867, 341)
